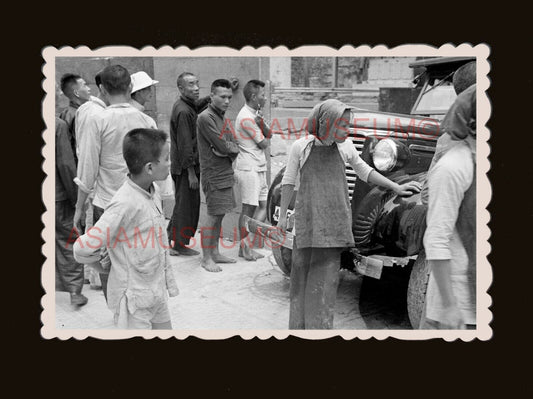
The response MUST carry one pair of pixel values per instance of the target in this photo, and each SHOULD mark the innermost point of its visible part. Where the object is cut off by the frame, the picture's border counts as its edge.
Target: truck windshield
(435, 100)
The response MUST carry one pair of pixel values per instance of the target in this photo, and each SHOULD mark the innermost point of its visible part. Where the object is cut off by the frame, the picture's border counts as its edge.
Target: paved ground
(245, 295)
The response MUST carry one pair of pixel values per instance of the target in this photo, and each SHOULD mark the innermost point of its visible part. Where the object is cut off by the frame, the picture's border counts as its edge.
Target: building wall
(341, 72)
(311, 71)
(280, 71)
(350, 71)
(390, 71)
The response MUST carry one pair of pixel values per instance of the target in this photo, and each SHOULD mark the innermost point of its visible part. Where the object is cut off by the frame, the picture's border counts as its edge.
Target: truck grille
(358, 140)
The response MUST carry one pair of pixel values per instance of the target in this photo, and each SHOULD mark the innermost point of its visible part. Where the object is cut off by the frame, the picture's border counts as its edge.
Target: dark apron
(323, 217)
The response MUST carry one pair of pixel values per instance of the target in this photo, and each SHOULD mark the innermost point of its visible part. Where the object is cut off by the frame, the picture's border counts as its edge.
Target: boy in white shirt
(133, 230)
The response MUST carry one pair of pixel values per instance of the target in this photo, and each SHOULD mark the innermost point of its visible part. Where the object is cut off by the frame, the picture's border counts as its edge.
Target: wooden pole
(267, 114)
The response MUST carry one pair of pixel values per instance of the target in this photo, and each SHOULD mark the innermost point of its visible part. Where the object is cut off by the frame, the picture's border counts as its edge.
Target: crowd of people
(111, 160)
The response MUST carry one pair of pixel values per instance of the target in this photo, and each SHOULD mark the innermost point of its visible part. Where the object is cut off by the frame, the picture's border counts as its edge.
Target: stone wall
(390, 71)
(311, 71)
(280, 71)
(350, 71)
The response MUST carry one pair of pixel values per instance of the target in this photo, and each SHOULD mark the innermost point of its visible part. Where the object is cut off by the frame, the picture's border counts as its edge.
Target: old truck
(387, 229)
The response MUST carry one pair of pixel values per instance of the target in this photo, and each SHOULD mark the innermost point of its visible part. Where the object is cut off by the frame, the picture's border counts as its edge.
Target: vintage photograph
(266, 192)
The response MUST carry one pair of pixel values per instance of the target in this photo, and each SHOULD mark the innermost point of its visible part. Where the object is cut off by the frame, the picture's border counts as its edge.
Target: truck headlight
(390, 155)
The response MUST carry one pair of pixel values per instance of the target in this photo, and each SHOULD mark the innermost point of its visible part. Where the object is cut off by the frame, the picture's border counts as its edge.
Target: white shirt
(137, 105)
(300, 152)
(251, 156)
(101, 166)
(448, 181)
(133, 229)
(85, 112)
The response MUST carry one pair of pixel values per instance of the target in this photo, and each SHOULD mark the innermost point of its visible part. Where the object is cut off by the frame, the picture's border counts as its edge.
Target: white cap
(141, 80)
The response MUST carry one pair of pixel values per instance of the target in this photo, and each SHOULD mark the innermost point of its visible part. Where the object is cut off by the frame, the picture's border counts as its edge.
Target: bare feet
(218, 258)
(209, 265)
(186, 251)
(173, 252)
(257, 255)
(249, 254)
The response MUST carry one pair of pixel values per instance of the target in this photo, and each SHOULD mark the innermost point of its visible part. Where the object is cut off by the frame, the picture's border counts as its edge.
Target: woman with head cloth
(323, 218)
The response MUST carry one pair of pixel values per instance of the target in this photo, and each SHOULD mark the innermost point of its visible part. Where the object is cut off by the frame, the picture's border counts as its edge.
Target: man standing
(250, 166)
(217, 149)
(69, 273)
(101, 166)
(87, 110)
(77, 91)
(141, 91)
(85, 113)
(185, 165)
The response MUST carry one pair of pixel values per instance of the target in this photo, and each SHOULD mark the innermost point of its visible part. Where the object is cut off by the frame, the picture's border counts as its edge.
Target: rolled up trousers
(313, 287)
(97, 214)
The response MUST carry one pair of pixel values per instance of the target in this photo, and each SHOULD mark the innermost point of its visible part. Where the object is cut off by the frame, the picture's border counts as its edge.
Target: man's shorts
(141, 318)
(219, 201)
(253, 186)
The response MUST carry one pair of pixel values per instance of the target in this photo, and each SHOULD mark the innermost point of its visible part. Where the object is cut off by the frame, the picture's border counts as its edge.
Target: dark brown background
(97, 368)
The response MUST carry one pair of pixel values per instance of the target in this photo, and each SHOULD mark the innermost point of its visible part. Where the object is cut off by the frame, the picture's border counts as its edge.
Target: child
(132, 230)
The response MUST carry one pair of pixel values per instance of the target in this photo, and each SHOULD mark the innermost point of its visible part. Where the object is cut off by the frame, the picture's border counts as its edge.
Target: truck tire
(416, 290)
(283, 257)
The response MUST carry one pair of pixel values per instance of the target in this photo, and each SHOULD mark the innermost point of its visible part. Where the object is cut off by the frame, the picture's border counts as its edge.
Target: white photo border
(481, 51)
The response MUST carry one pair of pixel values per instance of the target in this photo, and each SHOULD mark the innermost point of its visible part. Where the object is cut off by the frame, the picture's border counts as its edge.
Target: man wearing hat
(141, 93)
(141, 90)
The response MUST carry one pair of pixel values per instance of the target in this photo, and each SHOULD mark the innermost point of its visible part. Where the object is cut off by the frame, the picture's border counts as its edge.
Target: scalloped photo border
(481, 51)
